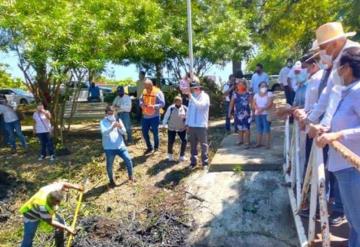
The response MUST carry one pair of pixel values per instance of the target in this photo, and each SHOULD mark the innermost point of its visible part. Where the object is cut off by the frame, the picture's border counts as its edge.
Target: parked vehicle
(19, 96)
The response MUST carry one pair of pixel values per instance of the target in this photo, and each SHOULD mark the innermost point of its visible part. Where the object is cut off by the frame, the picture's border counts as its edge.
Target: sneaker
(336, 219)
(41, 158)
(156, 149)
(148, 151)
(206, 168)
(182, 159)
(52, 157)
(170, 157)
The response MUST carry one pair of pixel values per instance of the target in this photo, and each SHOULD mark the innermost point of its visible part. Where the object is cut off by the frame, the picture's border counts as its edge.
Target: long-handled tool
(73, 224)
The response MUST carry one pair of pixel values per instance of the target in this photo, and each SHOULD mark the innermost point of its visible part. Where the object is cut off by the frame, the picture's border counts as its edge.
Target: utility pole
(189, 24)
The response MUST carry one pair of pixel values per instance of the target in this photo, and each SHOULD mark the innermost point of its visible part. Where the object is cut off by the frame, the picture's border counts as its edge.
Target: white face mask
(337, 79)
(111, 118)
(263, 90)
(325, 58)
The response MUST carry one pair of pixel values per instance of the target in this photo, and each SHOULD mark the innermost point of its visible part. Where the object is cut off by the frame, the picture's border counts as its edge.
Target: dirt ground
(150, 212)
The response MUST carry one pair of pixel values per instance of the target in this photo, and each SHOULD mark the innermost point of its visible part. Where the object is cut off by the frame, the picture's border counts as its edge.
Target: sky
(112, 71)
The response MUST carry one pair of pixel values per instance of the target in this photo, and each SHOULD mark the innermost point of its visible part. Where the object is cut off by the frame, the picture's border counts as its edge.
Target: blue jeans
(110, 156)
(349, 184)
(12, 129)
(3, 131)
(153, 124)
(262, 124)
(227, 119)
(30, 230)
(46, 144)
(125, 118)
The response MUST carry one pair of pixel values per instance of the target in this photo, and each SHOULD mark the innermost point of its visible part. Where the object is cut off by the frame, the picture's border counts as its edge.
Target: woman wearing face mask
(241, 101)
(112, 132)
(43, 130)
(262, 102)
(345, 128)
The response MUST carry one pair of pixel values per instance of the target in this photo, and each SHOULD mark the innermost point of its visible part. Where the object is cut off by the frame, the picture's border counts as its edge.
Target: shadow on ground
(251, 209)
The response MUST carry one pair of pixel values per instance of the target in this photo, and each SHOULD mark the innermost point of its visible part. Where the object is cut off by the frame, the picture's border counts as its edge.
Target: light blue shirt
(112, 138)
(347, 120)
(299, 99)
(198, 111)
(256, 79)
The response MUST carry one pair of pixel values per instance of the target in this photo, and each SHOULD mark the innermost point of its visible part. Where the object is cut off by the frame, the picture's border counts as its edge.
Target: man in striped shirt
(42, 206)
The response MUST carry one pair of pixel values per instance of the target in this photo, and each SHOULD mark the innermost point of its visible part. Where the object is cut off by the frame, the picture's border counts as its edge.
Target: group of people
(323, 90)
(41, 128)
(247, 102)
(189, 122)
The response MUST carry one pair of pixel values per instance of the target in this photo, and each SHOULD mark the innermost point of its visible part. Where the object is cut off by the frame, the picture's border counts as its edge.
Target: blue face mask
(194, 94)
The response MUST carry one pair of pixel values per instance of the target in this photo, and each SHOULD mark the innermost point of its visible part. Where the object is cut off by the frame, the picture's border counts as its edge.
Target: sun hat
(331, 31)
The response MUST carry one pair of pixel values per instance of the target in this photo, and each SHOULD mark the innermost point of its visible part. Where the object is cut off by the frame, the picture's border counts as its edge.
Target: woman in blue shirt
(345, 128)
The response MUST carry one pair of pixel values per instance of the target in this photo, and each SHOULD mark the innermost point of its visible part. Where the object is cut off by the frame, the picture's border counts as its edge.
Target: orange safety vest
(150, 99)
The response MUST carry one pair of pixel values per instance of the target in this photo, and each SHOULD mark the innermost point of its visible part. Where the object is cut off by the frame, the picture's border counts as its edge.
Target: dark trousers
(289, 95)
(153, 124)
(94, 99)
(4, 136)
(46, 144)
(227, 119)
(332, 185)
(171, 140)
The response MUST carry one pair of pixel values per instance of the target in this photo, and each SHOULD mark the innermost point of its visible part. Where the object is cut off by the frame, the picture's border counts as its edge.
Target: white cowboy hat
(315, 46)
(314, 49)
(331, 31)
(297, 66)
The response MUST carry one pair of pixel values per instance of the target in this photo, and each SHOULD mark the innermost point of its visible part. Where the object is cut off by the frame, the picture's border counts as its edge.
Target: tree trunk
(158, 73)
(237, 71)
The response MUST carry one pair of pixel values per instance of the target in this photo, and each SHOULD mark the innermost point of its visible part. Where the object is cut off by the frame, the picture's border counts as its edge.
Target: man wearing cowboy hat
(197, 118)
(332, 41)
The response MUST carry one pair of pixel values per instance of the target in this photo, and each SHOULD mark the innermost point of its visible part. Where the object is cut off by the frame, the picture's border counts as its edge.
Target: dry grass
(158, 184)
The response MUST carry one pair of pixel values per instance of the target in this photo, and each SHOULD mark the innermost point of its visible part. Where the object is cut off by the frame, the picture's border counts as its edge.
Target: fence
(313, 183)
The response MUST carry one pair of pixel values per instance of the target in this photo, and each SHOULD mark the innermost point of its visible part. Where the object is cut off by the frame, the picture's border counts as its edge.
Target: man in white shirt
(258, 77)
(197, 119)
(332, 42)
(122, 104)
(296, 75)
(227, 91)
(283, 79)
(12, 126)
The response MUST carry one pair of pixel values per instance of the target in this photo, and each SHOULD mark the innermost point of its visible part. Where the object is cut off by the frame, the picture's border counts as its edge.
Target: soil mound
(163, 230)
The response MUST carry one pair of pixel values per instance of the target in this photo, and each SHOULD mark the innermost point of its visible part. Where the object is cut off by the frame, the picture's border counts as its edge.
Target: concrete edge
(243, 167)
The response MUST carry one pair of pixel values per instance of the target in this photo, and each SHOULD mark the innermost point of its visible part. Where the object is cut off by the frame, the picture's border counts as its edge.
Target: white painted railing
(313, 182)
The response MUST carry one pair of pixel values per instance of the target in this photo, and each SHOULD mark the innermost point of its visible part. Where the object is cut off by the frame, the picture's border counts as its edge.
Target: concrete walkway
(231, 156)
(249, 207)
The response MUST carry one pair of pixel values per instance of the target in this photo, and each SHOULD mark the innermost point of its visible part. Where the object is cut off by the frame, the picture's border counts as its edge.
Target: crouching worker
(42, 206)
(113, 143)
(175, 118)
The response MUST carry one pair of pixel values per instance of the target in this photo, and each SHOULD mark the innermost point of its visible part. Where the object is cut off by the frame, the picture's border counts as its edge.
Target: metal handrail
(313, 182)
